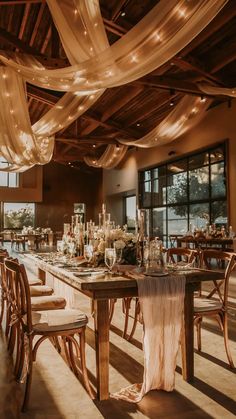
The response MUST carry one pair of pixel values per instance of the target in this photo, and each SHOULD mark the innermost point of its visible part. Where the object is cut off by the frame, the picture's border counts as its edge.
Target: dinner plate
(156, 273)
(90, 272)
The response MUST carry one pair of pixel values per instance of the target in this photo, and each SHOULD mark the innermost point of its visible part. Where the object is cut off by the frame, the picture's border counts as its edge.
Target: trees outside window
(189, 190)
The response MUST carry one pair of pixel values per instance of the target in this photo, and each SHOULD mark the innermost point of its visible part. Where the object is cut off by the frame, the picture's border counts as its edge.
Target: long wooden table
(224, 243)
(103, 289)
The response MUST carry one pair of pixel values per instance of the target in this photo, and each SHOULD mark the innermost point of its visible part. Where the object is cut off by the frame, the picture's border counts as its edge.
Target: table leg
(101, 318)
(187, 335)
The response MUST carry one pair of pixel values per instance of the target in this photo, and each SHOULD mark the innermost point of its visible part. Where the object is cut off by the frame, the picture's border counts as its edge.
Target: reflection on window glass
(159, 191)
(146, 194)
(177, 188)
(219, 213)
(177, 219)
(159, 222)
(198, 160)
(147, 175)
(18, 215)
(199, 183)
(177, 166)
(199, 215)
(218, 188)
(217, 154)
(130, 211)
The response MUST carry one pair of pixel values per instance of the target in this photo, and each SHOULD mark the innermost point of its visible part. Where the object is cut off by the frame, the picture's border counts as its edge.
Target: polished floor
(57, 394)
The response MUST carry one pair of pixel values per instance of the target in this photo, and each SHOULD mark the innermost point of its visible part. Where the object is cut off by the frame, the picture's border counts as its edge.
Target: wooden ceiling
(132, 110)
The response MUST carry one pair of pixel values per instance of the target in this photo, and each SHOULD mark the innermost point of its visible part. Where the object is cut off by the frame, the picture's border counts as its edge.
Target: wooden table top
(107, 282)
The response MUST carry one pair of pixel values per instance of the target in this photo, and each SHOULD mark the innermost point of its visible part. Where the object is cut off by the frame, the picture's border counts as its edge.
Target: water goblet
(110, 258)
(88, 252)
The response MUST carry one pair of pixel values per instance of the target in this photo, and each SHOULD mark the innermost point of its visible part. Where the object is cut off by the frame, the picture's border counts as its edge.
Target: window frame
(209, 199)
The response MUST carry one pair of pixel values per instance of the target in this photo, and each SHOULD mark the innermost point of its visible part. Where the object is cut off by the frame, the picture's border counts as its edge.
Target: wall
(218, 125)
(30, 187)
(62, 187)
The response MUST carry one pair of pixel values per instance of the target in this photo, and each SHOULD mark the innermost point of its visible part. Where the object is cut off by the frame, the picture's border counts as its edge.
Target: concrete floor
(57, 393)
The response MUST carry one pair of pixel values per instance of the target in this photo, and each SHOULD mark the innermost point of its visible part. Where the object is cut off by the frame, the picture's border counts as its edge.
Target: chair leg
(111, 308)
(2, 309)
(199, 338)
(136, 313)
(226, 339)
(29, 375)
(83, 364)
(126, 307)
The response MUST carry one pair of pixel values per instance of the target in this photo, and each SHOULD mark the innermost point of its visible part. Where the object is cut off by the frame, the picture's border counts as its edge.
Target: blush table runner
(162, 304)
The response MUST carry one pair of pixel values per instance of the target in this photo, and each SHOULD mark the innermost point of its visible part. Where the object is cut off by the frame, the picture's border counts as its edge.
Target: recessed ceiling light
(138, 124)
(123, 14)
(94, 145)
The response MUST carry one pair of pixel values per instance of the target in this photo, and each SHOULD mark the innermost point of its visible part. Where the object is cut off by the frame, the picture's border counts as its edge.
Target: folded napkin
(162, 304)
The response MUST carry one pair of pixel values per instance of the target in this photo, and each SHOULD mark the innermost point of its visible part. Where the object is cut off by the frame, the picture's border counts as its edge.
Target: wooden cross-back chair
(184, 254)
(3, 254)
(29, 324)
(216, 307)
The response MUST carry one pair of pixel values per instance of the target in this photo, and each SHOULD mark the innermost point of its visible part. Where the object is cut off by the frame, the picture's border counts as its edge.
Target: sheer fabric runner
(162, 303)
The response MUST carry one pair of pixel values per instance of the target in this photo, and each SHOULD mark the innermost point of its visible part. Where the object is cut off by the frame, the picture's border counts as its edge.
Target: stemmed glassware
(110, 257)
(88, 252)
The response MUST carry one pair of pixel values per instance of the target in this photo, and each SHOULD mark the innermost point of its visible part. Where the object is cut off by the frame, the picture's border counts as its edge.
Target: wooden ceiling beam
(24, 20)
(116, 12)
(121, 102)
(226, 14)
(167, 83)
(16, 2)
(37, 23)
(17, 43)
(224, 57)
(187, 65)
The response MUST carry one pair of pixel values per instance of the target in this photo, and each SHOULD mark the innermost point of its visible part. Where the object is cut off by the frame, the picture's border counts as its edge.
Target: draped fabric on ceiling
(213, 90)
(19, 143)
(188, 113)
(95, 65)
(111, 157)
(159, 36)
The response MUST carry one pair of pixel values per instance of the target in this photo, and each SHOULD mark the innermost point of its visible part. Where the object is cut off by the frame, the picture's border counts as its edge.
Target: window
(8, 179)
(188, 190)
(130, 212)
(17, 215)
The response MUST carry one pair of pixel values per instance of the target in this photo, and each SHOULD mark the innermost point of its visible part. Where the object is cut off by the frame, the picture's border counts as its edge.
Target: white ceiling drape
(95, 65)
(215, 90)
(188, 113)
(159, 36)
(19, 143)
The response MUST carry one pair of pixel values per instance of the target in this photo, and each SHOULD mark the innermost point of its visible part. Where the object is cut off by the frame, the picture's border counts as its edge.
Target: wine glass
(119, 252)
(88, 252)
(110, 258)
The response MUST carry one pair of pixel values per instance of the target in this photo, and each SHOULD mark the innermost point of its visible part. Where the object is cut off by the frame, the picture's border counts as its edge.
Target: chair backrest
(18, 294)
(220, 260)
(3, 255)
(183, 253)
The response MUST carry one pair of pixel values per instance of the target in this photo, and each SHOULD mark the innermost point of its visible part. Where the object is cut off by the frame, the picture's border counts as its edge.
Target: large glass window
(189, 190)
(8, 179)
(130, 211)
(17, 215)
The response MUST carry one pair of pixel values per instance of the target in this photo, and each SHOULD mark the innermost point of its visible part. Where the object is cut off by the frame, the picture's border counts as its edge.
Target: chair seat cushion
(40, 290)
(34, 282)
(206, 304)
(50, 302)
(57, 320)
